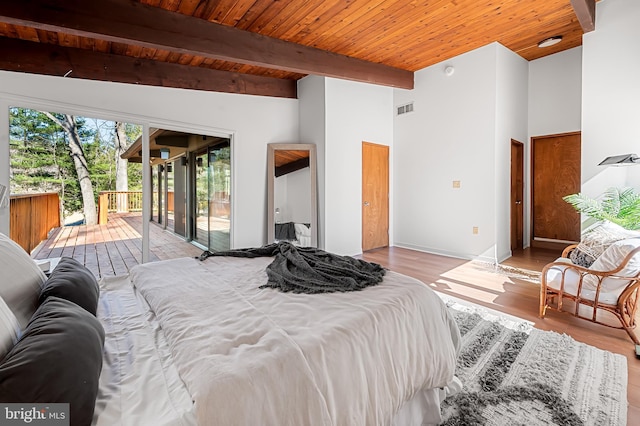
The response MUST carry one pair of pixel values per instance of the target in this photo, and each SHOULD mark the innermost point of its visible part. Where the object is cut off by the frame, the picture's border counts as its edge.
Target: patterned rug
(509, 271)
(514, 374)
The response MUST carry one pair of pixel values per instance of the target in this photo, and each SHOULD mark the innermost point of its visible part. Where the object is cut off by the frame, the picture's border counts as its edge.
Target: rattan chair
(591, 291)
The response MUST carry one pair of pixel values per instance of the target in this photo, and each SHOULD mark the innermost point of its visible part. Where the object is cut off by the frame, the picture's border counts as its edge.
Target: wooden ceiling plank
(357, 33)
(171, 5)
(307, 24)
(68, 40)
(204, 9)
(330, 16)
(237, 11)
(252, 14)
(395, 23)
(188, 7)
(221, 10)
(299, 17)
(118, 48)
(394, 31)
(48, 37)
(134, 51)
(338, 20)
(134, 23)
(396, 48)
(27, 33)
(586, 12)
(272, 11)
(453, 18)
(148, 53)
(39, 58)
(275, 26)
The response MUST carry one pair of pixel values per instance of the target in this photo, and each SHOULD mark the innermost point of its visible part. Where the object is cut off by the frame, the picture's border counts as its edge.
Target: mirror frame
(271, 174)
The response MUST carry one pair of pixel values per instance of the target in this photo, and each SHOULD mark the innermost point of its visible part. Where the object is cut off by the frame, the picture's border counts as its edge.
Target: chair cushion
(571, 280)
(609, 260)
(21, 281)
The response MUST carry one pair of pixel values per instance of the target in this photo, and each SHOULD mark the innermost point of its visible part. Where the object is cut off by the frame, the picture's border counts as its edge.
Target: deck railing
(123, 202)
(32, 216)
(118, 201)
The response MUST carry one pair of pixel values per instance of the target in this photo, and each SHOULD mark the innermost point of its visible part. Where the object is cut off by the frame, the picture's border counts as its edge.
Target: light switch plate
(456, 184)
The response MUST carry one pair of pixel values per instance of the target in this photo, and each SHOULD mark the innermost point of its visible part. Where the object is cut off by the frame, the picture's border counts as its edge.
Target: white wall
(461, 130)
(555, 105)
(251, 121)
(611, 95)
(555, 93)
(337, 116)
(311, 97)
(449, 136)
(355, 113)
(511, 123)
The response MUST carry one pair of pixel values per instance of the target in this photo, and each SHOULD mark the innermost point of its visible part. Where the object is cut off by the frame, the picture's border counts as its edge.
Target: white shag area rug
(514, 374)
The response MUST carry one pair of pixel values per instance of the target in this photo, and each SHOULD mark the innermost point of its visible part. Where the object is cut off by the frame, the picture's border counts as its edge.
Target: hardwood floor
(515, 294)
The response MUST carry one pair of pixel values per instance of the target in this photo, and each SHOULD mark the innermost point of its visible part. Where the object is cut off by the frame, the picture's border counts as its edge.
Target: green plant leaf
(620, 206)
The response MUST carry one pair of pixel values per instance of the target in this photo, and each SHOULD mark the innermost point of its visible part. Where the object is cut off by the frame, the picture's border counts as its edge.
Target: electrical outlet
(456, 184)
(475, 230)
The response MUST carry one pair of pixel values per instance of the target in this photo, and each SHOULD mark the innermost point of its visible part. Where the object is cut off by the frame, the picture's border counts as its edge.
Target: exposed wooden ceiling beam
(179, 141)
(291, 167)
(586, 13)
(130, 22)
(39, 58)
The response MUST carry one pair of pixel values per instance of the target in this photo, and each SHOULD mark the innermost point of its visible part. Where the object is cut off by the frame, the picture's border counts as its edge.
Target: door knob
(518, 202)
(366, 203)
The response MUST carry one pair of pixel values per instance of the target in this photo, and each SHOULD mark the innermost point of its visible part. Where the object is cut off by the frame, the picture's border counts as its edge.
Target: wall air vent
(404, 109)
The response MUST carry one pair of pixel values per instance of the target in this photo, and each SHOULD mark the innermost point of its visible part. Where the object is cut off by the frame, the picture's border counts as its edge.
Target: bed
(296, 233)
(191, 342)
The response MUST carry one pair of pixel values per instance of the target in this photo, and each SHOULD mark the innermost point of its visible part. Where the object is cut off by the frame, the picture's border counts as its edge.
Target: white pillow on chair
(20, 280)
(610, 260)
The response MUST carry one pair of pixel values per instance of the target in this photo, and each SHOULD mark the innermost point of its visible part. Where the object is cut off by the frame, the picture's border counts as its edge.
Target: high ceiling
(264, 46)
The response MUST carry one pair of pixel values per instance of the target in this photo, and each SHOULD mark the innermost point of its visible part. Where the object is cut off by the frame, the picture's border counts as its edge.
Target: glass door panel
(154, 193)
(161, 184)
(169, 184)
(201, 205)
(220, 191)
(179, 195)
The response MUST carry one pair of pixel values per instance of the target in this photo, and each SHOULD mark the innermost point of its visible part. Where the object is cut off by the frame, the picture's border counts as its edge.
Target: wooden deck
(114, 248)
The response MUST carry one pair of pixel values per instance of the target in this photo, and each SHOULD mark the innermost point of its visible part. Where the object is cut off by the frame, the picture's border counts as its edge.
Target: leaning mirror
(292, 209)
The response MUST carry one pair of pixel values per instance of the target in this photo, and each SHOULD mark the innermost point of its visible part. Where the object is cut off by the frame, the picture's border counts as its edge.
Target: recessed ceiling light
(550, 41)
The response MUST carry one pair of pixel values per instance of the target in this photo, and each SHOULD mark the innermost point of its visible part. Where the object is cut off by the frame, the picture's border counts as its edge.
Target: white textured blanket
(251, 356)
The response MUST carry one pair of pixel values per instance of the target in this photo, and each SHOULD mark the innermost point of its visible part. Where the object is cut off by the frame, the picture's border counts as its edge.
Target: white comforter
(251, 356)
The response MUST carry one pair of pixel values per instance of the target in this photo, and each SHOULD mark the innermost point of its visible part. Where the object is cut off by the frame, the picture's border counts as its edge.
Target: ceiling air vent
(404, 109)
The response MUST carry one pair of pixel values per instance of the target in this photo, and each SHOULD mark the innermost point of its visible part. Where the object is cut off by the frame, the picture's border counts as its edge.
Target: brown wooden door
(556, 173)
(375, 196)
(517, 194)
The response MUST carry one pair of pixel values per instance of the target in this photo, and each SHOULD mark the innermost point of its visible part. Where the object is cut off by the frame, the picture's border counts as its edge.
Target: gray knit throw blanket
(308, 269)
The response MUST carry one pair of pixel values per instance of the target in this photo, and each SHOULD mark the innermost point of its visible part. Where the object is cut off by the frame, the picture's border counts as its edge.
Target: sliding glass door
(212, 202)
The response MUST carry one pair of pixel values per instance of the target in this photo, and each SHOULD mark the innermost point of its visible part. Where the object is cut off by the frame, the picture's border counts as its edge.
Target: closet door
(556, 173)
(375, 196)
